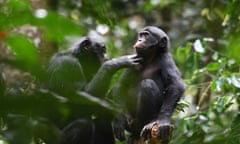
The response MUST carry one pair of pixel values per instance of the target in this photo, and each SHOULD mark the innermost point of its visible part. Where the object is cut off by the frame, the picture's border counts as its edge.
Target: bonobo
(151, 92)
(72, 69)
(82, 67)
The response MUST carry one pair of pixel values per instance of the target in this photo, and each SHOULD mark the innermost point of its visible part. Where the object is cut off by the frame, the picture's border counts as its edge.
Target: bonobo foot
(156, 133)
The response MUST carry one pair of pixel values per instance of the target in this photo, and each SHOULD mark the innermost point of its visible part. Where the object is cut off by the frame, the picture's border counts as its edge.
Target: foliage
(204, 37)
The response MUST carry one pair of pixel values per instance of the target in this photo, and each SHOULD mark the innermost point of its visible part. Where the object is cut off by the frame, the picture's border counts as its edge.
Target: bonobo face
(89, 47)
(151, 39)
(97, 48)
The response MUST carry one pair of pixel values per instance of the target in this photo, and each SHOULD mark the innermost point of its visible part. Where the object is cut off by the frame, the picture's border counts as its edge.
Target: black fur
(82, 67)
(150, 94)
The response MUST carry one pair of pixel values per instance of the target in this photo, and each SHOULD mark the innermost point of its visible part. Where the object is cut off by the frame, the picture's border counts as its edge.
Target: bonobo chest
(150, 71)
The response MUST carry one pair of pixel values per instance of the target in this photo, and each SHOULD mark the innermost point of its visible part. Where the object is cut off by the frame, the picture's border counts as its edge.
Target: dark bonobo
(72, 69)
(84, 67)
(151, 92)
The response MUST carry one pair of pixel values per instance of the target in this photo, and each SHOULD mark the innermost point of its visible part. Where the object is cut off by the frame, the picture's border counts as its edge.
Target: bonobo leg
(79, 131)
(149, 102)
(88, 131)
(103, 133)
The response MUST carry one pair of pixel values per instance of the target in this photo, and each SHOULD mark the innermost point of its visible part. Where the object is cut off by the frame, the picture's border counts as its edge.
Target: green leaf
(213, 66)
(15, 13)
(57, 26)
(23, 48)
(190, 123)
(236, 81)
(181, 105)
(26, 56)
(217, 84)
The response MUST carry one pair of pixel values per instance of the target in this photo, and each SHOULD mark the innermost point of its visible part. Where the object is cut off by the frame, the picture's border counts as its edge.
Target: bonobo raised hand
(123, 61)
(98, 86)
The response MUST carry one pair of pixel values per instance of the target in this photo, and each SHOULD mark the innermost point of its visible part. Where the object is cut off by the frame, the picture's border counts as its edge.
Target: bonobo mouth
(140, 53)
(140, 49)
(139, 46)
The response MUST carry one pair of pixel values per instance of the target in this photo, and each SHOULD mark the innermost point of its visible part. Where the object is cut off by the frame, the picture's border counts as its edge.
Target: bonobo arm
(99, 84)
(174, 89)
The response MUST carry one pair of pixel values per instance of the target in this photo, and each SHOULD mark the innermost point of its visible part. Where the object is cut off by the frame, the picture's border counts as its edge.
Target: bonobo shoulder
(62, 59)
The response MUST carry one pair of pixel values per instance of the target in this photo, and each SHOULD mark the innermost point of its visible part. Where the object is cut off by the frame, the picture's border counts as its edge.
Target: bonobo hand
(123, 61)
(161, 130)
(119, 126)
(121, 123)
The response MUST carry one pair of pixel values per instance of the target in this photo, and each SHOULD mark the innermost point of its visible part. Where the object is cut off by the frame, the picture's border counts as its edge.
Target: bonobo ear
(163, 42)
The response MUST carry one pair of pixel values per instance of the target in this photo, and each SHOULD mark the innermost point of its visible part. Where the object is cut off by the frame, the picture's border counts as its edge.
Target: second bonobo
(83, 67)
(149, 94)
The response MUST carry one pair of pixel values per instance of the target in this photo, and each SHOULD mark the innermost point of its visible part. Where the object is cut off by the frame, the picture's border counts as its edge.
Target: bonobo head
(151, 42)
(91, 53)
(87, 47)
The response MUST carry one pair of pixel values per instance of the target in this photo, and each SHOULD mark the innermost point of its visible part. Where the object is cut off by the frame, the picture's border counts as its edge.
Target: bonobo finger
(118, 135)
(122, 136)
(138, 59)
(162, 130)
(116, 131)
(145, 133)
(165, 132)
(132, 56)
(154, 131)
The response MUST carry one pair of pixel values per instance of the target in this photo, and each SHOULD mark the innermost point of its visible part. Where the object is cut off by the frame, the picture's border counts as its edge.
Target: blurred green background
(204, 35)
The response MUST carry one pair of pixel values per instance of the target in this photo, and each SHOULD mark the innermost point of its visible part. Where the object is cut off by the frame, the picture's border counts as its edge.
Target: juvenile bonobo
(150, 93)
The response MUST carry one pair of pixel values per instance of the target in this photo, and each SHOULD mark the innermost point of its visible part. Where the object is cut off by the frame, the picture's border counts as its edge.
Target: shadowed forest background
(204, 37)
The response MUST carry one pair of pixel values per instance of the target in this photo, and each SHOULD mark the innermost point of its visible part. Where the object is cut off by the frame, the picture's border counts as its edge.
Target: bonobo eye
(104, 48)
(85, 44)
(143, 34)
(99, 47)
